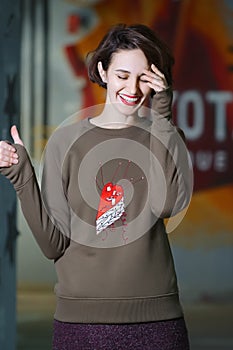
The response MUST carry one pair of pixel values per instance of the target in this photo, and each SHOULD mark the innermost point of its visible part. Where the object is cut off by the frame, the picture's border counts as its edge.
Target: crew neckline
(122, 131)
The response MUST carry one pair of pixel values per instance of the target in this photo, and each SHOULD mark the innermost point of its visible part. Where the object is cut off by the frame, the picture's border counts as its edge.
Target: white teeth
(129, 99)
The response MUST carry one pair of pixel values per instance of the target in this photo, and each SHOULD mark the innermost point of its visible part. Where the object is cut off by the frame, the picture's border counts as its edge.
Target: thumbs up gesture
(15, 136)
(8, 155)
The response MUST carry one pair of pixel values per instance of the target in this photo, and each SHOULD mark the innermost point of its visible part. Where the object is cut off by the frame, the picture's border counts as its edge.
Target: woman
(108, 183)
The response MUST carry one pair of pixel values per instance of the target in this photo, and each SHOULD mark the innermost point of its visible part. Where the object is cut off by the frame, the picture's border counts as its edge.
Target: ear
(102, 72)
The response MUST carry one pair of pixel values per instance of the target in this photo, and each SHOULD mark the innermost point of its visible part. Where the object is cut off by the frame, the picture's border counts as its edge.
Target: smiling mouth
(129, 100)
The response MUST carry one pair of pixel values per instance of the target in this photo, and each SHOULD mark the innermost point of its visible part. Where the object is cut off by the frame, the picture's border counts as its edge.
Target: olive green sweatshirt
(100, 216)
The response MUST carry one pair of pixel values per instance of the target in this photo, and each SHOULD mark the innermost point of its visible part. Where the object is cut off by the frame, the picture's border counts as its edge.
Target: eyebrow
(122, 70)
(126, 71)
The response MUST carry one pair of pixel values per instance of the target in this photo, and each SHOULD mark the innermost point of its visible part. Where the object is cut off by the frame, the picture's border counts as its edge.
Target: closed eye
(122, 77)
(143, 79)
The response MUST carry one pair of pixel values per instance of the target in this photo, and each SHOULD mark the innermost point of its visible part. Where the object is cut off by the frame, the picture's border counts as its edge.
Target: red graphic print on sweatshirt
(111, 206)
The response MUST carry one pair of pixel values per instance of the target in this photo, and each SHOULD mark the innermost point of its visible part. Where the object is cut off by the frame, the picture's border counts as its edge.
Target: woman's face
(127, 88)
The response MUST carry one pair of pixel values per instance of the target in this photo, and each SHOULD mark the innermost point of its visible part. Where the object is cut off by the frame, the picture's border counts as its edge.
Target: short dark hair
(129, 37)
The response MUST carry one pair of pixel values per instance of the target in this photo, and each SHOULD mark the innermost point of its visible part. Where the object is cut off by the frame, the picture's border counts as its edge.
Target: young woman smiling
(108, 183)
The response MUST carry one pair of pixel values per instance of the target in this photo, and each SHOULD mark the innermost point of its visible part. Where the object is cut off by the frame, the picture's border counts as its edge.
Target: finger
(15, 136)
(6, 161)
(9, 159)
(5, 154)
(153, 76)
(149, 74)
(154, 72)
(4, 146)
(159, 74)
(157, 71)
(8, 155)
(4, 164)
(156, 87)
(155, 82)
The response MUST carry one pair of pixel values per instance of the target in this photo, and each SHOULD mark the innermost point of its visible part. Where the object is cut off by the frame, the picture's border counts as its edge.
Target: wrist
(162, 103)
(19, 173)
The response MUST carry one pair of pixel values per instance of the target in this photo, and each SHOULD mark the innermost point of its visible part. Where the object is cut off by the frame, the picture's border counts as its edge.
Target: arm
(171, 177)
(171, 169)
(22, 175)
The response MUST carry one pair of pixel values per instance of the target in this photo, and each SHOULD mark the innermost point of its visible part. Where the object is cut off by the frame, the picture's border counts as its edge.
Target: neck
(111, 118)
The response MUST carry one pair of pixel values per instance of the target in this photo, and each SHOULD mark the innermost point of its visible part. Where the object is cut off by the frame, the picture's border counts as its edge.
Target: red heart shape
(110, 196)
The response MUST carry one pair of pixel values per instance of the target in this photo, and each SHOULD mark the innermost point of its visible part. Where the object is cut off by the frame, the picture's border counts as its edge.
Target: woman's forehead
(128, 60)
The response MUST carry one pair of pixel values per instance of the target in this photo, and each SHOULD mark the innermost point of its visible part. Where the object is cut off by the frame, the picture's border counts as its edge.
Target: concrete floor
(210, 325)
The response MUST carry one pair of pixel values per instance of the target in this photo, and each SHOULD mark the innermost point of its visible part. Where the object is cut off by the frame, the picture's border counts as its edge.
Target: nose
(133, 86)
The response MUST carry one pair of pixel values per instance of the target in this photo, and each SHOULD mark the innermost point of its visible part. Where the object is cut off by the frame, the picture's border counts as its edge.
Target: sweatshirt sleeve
(171, 177)
(47, 234)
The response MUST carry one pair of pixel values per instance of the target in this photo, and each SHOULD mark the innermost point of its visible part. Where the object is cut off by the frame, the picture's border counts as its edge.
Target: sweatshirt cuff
(19, 174)
(161, 111)
(162, 104)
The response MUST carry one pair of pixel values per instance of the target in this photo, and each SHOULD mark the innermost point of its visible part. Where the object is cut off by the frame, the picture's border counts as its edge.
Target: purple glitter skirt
(160, 335)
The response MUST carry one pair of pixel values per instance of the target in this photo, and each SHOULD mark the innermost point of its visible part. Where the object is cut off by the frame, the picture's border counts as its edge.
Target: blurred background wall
(10, 20)
(57, 35)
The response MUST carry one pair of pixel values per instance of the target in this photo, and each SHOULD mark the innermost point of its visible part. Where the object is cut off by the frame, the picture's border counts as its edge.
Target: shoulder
(68, 133)
(64, 137)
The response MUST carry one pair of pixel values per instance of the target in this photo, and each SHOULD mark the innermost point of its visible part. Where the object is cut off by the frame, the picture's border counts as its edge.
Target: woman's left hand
(155, 79)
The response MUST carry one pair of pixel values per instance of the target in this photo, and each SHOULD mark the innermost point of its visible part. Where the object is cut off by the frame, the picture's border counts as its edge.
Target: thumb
(15, 136)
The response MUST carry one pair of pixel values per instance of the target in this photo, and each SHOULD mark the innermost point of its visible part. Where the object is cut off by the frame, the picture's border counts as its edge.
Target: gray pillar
(9, 114)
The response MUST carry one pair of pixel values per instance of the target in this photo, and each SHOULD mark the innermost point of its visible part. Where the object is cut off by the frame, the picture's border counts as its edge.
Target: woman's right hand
(8, 155)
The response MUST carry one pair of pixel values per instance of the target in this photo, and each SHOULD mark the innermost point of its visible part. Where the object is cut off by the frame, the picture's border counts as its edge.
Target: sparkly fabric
(160, 335)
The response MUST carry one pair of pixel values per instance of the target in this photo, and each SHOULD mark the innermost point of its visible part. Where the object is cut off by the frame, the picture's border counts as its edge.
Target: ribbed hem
(124, 310)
